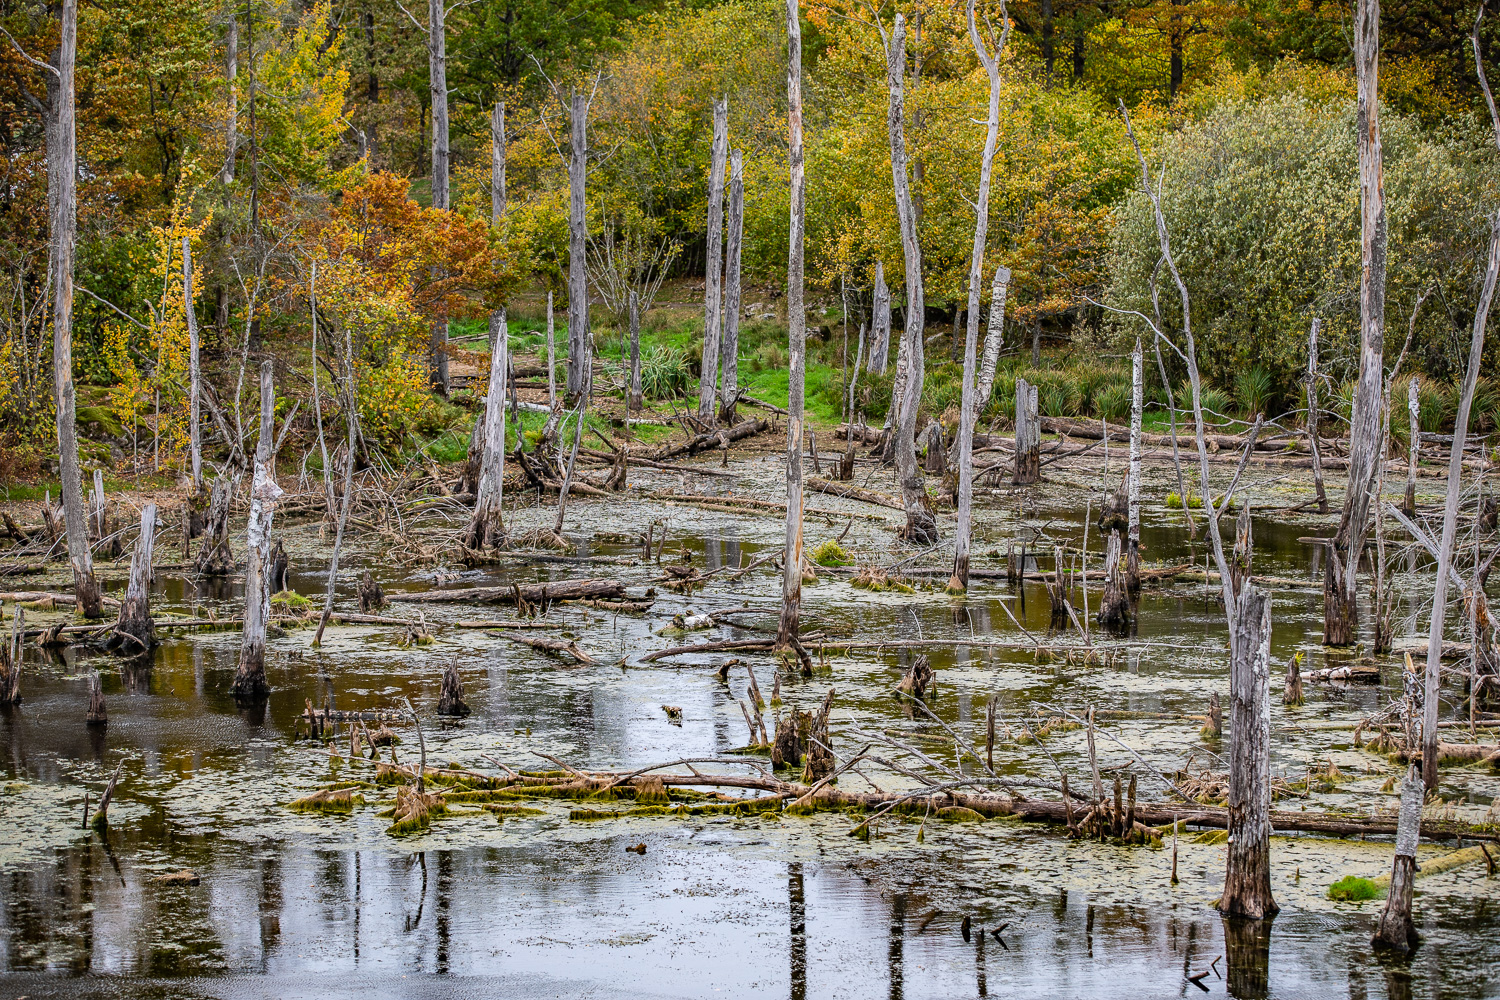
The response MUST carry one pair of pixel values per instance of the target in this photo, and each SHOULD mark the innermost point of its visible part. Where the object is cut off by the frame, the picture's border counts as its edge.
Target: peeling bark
(250, 677)
(791, 581)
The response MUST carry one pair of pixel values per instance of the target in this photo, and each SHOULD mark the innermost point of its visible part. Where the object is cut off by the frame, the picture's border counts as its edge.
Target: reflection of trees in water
(797, 907)
(897, 945)
(1247, 947)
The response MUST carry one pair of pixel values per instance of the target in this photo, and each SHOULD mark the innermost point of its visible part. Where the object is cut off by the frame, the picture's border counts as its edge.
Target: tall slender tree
(437, 82)
(487, 527)
(712, 283)
(796, 321)
(580, 344)
(729, 346)
(231, 96)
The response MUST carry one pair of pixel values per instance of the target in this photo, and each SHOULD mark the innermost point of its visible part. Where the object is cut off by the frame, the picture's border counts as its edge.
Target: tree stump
(277, 577)
(1114, 606)
(135, 631)
(918, 678)
(1293, 693)
(786, 749)
(451, 699)
(1247, 877)
(214, 555)
(1396, 929)
(820, 762)
(1028, 435)
(371, 597)
(10, 660)
(97, 715)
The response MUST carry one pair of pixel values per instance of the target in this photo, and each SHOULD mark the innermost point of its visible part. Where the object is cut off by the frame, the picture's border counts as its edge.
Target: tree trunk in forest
(1413, 412)
(232, 120)
(214, 555)
(437, 86)
(250, 677)
(580, 346)
(1396, 929)
(994, 339)
(195, 442)
(1247, 876)
(921, 526)
(712, 277)
(347, 500)
(970, 399)
(796, 316)
(487, 526)
(880, 327)
(634, 397)
(1137, 409)
(1028, 435)
(62, 198)
(1340, 613)
(135, 611)
(312, 297)
(729, 347)
(1312, 413)
(1114, 603)
(1450, 504)
(551, 357)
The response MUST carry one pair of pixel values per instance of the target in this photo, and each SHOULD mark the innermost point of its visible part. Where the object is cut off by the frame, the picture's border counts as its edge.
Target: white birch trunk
(1137, 414)
(994, 339)
(195, 434)
(729, 347)
(712, 277)
(250, 677)
(580, 346)
(880, 329)
(791, 580)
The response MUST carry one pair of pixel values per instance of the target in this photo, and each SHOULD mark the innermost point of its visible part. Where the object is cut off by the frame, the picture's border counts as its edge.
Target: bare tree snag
(1114, 604)
(551, 357)
(250, 677)
(921, 526)
(1313, 414)
(232, 117)
(98, 713)
(214, 555)
(1137, 408)
(195, 444)
(1293, 693)
(580, 345)
(880, 326)
(729, 347)
(62, 204)
(487, 525)
(1247, 877)
(437, 86)
(796, 318)
(634, 397)
(1413, 412)
(712, 283)
(1340, 610)
(970, 400)
(135, 632)
(451, 698)
(1396, 929)
(1028, 435)
(10, 659)
(994, 339)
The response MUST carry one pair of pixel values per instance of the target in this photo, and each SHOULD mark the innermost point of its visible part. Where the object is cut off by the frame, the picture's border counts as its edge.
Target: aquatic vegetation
(830, 553)
(329, 800)
(1353, 889)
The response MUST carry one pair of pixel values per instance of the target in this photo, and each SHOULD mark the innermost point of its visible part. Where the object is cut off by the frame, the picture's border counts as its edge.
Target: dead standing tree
(195, 444)
(135, 629)
(921, 526)
(1137, 407)
(968, 408)
(250, 677)
(880, 328)
(729, 347)
(351, 417)
(58, 109)
(796, 318)
(487, 526)
(1340, 612)
(712, 283)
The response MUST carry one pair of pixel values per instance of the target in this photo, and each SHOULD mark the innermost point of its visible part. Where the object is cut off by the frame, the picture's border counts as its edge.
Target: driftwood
(853, 493)
(554, 646)
(716, 439)
(532, 593)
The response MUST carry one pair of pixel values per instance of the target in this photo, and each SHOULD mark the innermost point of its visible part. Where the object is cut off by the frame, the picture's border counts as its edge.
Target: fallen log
(533, 593)
(45, 596)
(762, 645)
(554, 646)
(853, 493)
(1356, 673)
(485, 623)
(619, 607)
(715, 439)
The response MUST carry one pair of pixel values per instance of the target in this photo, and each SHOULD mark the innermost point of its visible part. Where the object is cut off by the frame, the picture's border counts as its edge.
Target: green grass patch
(1353, 889)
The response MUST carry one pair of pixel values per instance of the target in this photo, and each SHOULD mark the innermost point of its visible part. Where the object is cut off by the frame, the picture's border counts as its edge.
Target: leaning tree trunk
(1340, 613)
(1028, 435)
(437, 83)
(969, 404)
(921, 526)
(250, 678)
(1414, 413)
(1137, 408)
(1396, 929)
(1247, 877)
(62, 199)
(994, 339)
(195, 443)
(880, 326)
(231, 71)
(487, 527)
(580, 347)
(634, 400)
(796, 318)
(1450, 510)
(1312, 414)
(712, 286)
(729, 347)
(135, 611)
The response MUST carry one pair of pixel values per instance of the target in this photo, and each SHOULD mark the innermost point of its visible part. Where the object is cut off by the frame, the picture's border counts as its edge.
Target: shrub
(1254, 389)
(1113, 402)
(665, 372)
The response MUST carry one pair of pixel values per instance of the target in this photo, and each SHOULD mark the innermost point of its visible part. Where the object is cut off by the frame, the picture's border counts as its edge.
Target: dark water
(293, 904)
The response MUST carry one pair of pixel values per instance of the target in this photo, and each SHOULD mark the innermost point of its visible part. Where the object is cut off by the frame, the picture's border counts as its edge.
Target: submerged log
(532, 593)
(554, 646)
(853, 493)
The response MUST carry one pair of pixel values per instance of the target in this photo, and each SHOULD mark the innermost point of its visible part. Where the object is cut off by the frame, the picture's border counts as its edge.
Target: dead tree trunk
(250, 677)
(1028, 435)
(62, 203)
(921, 526)
(796, 317)
(1396, 929)
(437, 85)
(451, 698)
(551, 358)
(214, 555)
(347, 500)
(1413, 412)
(135, 611)
(98, 713)
(1292, 695)
(1340, 612)
(1247, 877)
(1114, 604)
(634, 398)
(729, 347)
(1312, 414)
(195, 444)
(1137, 408)
(487, 526)
(580, 346)
(1450, 503)
(232, 118)
(994, 338)
(880, 327)
(713, 275)
(970, 400)
(10, 660)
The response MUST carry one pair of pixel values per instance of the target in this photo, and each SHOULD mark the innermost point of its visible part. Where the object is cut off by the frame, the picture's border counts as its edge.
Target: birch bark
(487, 526)
(580, 346)
(729, 348)
(994, 339)
(195, 439)
(796, 316)
(250, 677)
(712, 278)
